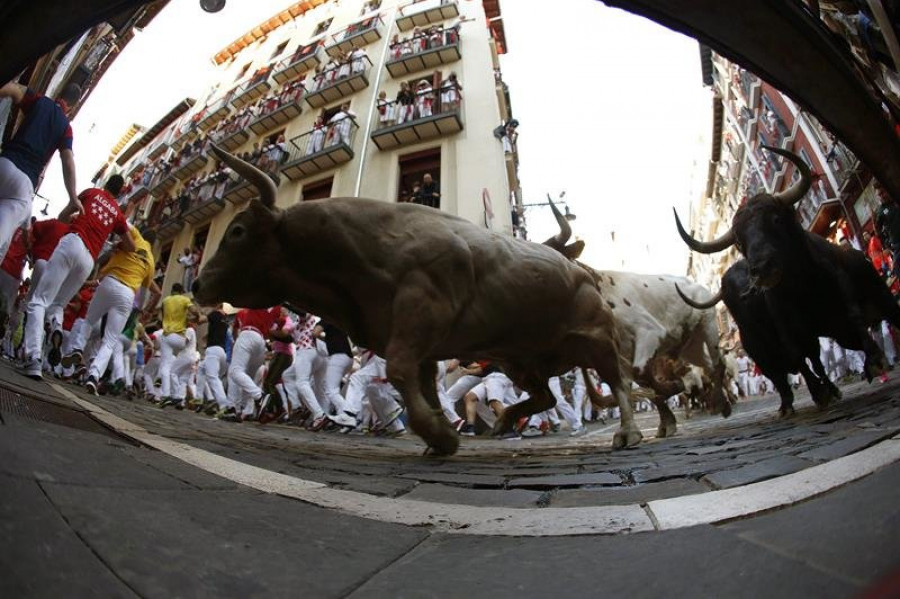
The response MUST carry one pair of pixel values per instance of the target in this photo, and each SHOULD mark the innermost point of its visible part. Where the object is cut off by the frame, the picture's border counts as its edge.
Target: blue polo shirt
(44, 130)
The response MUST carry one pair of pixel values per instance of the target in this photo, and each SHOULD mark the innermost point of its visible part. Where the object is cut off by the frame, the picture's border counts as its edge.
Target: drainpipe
(389, 27)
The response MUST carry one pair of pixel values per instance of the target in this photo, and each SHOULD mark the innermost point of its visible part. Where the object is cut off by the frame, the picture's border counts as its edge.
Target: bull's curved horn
(699, 305)
(257, 178)
(795, 193)
(705, 247)
(558, 241)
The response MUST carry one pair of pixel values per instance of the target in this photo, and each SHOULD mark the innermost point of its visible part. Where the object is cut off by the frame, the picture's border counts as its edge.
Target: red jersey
(77, 308)
(45, 234)
(261, 320)
(14, 261)
(101, 217)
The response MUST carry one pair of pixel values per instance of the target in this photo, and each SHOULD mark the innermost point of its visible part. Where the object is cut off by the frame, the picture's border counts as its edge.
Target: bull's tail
(596, 399)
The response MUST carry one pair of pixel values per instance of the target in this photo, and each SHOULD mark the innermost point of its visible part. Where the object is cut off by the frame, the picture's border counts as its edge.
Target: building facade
(313, 97)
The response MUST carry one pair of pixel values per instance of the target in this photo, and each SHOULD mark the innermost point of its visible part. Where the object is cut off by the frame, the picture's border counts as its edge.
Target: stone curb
(665, 514)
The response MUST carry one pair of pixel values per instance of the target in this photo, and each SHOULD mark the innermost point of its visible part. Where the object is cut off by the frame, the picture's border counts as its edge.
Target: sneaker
(228, 415)
(392, 417)
(54, 357)
(32, 369)
(91, 386)
(167, 401)
(577, 432)
(510, 436)
(318, 423)
(72, 359)
(467, 430)
(343, 420)
(532, 431)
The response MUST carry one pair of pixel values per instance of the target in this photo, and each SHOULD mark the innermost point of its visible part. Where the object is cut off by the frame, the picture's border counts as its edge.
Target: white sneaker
(343, 420)
(578, 431)
(32, 369)
(532, 431)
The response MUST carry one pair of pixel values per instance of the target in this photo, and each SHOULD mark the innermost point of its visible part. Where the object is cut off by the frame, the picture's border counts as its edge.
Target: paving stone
(229, 544)
(850, 532)
(571, 480)
(692, 469)
(839, 449)
(467, 480)
(41, 556)
(696, 562)
(676, 487)
(514, 498)
(385, 487)
(778, 466)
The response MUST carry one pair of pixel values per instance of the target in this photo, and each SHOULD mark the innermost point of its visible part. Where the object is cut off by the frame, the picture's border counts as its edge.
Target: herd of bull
(417, 285)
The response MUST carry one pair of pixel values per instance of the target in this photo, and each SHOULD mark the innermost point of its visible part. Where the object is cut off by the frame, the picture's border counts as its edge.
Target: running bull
(806, 287)
(417, 285)
(654, 325)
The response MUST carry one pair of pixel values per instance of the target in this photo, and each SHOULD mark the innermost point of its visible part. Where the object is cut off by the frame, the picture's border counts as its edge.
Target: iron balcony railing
(356, 35)
(424, 50)
(214, 111)
(304, 59)
(421, 13)
(325, 146)
(278, 110)
(252, 89)
(339, 81)
(431, 114)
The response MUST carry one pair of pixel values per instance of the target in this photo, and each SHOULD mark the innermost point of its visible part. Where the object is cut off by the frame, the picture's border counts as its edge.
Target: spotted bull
(417, 285)
(807, 287)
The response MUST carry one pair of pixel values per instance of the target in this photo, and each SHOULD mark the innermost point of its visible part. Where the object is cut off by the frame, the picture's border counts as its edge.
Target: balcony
(279, 113)
(339, 82)
(137, 193)
(203, 210)
(169, 228)
(252, 90)
(162, 182)
(321, 149)
(233, 138)
(357, 35)
(159, 148)
(421, 13)
(306, 58)
(424, 51)
(239, 191)
(398, 127)
(213, 113)
(190, 163)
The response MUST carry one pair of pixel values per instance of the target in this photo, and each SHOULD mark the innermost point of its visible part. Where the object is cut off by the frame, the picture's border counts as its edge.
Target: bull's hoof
(625, 438)
(726, 409)
(666, 429)
(786, 411)
(873, 369)
(438, 434)
(502, 426)
(443, 447)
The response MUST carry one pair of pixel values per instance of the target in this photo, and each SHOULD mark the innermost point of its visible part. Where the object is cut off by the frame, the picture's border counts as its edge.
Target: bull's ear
(573, 250)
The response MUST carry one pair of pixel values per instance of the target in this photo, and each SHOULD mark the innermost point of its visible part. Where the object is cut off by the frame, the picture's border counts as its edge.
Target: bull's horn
(699, 305)
(795, 193)
(558, 241)
(257, 178)
(705, 247)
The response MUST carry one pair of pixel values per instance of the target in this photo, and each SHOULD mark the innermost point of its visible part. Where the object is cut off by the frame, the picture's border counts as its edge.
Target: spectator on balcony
(316, 140)
(318, 79)
(428, 194)
(435, 37)
(358, 59)
(418, 42)
(331, 68)
(451, 33)
(887, 221)
(385, 110)
(404, 103)
(875, 252)
(344, 67)
(450, 93)
(424, 99)
(340, 125)
(396, 47)
(255, 153)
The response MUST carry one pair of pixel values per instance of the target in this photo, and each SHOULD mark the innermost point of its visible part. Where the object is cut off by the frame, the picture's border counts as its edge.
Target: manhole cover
(33, 409)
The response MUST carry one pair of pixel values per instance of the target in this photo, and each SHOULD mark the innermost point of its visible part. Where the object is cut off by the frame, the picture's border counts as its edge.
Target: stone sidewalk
(86, 512)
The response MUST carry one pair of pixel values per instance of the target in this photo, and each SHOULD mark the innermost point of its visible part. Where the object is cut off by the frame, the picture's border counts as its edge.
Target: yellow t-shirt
(132, 269)
(175, 308)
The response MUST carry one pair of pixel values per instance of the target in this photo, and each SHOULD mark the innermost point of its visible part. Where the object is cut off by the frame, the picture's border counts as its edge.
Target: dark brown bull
(417, 285)
(810, 288)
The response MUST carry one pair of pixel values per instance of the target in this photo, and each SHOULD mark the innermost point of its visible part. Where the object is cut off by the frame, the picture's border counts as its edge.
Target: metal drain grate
(33, 409)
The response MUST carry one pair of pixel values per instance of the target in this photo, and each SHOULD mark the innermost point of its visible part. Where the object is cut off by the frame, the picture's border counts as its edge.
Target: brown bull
(417, 285)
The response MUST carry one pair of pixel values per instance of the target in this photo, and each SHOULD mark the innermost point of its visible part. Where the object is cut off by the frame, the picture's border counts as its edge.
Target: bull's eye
(237, 232)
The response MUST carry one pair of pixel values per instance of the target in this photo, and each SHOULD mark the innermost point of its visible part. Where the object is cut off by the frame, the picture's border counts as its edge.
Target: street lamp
(212, 5)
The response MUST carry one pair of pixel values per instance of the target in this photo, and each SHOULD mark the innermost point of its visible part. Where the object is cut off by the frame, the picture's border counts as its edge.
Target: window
(200, 238)
(413, 168)
(242, 72)
(279, 49)
(322, 27)
(327, 113)
(317, 190)
(163, 261)
(370, 6)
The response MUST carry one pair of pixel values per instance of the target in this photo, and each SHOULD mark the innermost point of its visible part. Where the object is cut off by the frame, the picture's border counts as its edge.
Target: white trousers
(247, 355)
(214, 368)
(463, 385)
(299, 382)
(183, 373)
(337, 366)
(151, 369)
(112, 299)
(361, 379)
(66, 271)
(16, 195)
(169, 346)
(569, 413)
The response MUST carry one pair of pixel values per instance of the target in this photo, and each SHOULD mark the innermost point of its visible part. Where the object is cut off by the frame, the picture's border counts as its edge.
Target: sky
(611, 109)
